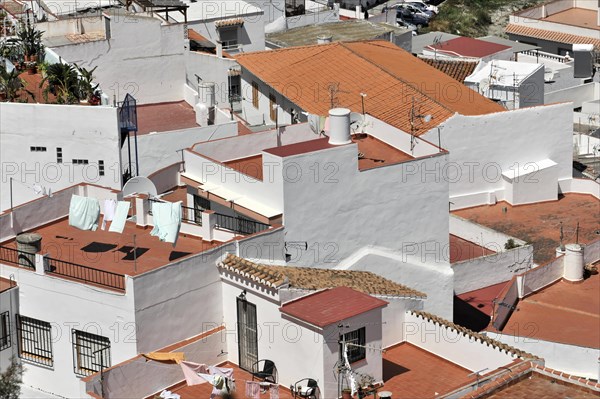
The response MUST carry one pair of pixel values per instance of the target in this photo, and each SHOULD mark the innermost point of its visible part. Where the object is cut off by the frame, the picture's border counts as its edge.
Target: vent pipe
(205, 108)
(339, 126)
(28, 245)
(324, 39)
(573, 269)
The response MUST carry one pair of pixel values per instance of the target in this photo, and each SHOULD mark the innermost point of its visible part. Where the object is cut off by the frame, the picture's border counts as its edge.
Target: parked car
(423, 7)
(434, 2)
(415, 10)
(406, 15)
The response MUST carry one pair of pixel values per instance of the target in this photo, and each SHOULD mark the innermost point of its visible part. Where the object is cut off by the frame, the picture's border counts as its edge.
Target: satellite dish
(427, 118)
(140, 185)
(357, 122)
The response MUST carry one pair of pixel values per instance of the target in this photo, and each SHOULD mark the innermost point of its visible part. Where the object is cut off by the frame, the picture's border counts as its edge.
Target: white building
(9, 305)
(513, 84)
(467, 47)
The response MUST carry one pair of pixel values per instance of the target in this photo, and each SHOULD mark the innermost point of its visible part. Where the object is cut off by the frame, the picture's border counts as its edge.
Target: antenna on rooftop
(414, 114)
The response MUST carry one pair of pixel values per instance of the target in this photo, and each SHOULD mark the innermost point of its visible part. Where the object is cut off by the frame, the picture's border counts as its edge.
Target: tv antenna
(416, 114)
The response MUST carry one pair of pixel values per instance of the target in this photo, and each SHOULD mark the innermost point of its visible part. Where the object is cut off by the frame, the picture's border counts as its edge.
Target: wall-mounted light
(242, 296)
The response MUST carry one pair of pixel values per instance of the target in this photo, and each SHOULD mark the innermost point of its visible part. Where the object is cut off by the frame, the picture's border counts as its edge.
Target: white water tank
(201, 114)
(324, 39)
(573, 270)
(206, 96)
(339, 126)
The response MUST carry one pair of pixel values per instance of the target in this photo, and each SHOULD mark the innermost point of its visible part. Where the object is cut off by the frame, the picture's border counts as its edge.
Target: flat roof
(331, 306)
(424, 40)
(372, 152)
(516, 46)
(164, 117)
(580, 17)
(250, 166)
(6, 284)
(539, 223)
(469, 47)
(339, 31)
(562, 312)
(482, 298)
(507, 74)
(461, 250)
(412, 372)
(113, 252)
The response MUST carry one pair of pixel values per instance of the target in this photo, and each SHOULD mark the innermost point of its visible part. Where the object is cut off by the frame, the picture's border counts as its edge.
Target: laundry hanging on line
(167, 221)
(84, 212)
(120, 217)
(109, 212)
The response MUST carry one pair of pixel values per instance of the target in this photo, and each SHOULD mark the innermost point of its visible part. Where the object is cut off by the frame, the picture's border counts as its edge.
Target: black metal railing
(86, 274)
(16, 257)
(239, 224)
(185, 212)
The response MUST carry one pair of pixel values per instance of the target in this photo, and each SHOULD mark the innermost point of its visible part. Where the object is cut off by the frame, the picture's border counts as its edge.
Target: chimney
(573, 266)
(324, 39)
(205, 108)
(339, 126)
(28, 244)
(219, 49)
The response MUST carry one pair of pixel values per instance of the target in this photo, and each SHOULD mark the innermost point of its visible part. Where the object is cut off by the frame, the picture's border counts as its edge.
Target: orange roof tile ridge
(482, 337)
(566, 377)
(501, 380)
(370, 42)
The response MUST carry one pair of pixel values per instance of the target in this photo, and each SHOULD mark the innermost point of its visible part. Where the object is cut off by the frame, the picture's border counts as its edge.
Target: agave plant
(63, 82)
(11, 84)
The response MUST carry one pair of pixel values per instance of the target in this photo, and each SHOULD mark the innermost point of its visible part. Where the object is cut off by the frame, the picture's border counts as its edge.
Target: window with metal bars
(356, 337)
(35, 340)
(59, 155)
(101, 168)
(91, 352)
(4, 330)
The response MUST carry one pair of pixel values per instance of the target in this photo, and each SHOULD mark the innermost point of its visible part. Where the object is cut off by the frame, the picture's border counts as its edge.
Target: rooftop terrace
(539, 224)
(461, 249)
(580, 17)
(163, 117)
(562, 312)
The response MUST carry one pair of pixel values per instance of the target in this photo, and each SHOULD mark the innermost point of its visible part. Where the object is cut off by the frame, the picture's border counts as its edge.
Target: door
(247, 334)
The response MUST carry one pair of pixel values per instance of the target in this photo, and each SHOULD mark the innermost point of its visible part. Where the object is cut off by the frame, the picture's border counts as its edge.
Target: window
(37, 149)
(91, 352)
(564, 51)
(101, 168)
(272, 107)
(229, 38)
(4, 330)
(235, 88)
(59, 157)
(255, 94)
(80, 161)
(356, 337)
(35, 340)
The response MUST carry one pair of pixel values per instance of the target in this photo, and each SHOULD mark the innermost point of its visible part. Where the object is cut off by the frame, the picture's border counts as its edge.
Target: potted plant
(88, 91)
(62, 81)
(30, 40)
(31, 67)
(11, 85)
(346, 393)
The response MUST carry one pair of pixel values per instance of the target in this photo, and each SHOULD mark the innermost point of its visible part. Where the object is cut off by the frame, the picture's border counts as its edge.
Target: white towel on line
(120, 217)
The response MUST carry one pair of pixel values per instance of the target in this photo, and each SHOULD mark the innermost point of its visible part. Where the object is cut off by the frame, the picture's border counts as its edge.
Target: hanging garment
(252, 390)
(167, 221)
(109, 212)
(84, 212)
(274, 391)
(169, 395)
(350, 373)
(118, 223)
(166, 357)
(191, 372)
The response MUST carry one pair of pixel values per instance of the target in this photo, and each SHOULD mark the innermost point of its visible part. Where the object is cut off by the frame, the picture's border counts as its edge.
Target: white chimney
(324, 39)
(573, 266)
(339, 126)
(219, 49)
(205, 108)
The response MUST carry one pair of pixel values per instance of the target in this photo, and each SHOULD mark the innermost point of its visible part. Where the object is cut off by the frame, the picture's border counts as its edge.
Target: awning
(224, 23)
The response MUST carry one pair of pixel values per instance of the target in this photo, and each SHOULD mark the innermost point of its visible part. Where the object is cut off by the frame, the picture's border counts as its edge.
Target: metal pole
(129, 153)
(134, 255)
(11, 194)
(137, 165)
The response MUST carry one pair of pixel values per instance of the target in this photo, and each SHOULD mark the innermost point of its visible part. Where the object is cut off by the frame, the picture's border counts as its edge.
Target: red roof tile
(330, 306)
(553, 36)
(390, 76)
(6, 284)
(469, 47)
(457, 69)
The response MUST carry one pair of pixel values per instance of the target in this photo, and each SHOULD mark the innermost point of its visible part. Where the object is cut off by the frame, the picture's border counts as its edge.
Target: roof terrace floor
(164, 117)
(461, 250)
(580, 17)
(114, 252)
(539, 224)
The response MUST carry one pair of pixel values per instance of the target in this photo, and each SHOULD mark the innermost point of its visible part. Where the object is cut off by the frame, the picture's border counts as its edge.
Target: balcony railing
(16, 257)
(239, 224)
(86, 274)
(197, 219)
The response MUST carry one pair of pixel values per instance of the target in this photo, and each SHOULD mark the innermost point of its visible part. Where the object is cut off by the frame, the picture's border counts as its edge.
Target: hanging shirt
(84, 212)
(120, 217)
(109, 212)
(167, 221)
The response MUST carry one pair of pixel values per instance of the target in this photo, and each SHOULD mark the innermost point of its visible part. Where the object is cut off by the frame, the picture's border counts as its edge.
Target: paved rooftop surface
(482, 299)
(164, 117)
(580, 17)
(204, 390)
(539, 224)
(6, 284)
(251, 166)
(114, 252)
(411, 372)
(563, 312)
(461, 249)
(540, 386)
(468, 47)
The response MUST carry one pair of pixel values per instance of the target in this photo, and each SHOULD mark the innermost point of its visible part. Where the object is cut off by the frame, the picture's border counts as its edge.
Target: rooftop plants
(11, 85)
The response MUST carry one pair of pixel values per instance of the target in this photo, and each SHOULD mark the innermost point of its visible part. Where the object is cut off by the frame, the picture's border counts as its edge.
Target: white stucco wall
(143, 58)
(479, 234)
(72, 305)
(577, 94)
(538, 278)
(482, 147)
(453, 346)
(89, 133)
(571, 359)
(210, 68)
(591, 252)
(9, 302)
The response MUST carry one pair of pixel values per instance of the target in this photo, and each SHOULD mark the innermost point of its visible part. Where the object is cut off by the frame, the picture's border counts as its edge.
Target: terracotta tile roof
(229, 22)
(469, 47)
(455, 68)
(390, 76)
(6, 284)
(316, 279)
(331, 306)
(475, 336)
(553, 36)
(193, 35)
(530, 380)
